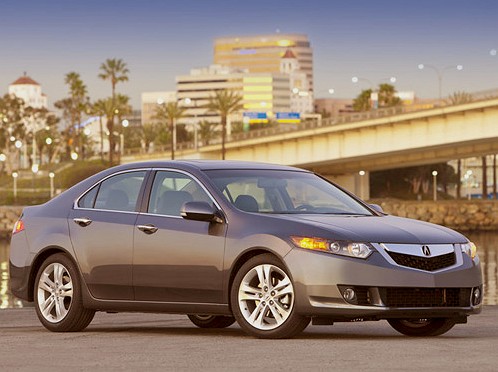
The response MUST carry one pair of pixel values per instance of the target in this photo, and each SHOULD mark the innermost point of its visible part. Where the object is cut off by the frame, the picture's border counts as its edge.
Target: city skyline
(161, 40)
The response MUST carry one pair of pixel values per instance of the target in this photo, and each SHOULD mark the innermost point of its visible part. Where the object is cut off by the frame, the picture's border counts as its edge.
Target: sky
(160, 40)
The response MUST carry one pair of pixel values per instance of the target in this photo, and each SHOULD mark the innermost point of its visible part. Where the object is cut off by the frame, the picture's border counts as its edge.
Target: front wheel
(422, 327)
(263, 299)
(211, 321)
(57, 294)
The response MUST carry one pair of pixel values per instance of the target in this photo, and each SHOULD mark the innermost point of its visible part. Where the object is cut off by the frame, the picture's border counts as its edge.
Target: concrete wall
(460, 215)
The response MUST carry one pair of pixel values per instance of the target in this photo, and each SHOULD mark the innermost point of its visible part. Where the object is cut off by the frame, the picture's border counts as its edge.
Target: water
(487, 248)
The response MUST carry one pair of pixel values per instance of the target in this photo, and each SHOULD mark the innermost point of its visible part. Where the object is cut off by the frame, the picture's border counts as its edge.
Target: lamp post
(439, 73)
(434, 185)
(51, 175)
(14, 178)
(362, 174)
(124, 124)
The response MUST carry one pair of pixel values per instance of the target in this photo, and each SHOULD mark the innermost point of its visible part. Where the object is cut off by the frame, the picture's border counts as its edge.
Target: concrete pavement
(170, 342)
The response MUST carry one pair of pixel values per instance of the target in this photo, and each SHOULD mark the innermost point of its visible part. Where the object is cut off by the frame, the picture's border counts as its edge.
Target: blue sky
(162, 39)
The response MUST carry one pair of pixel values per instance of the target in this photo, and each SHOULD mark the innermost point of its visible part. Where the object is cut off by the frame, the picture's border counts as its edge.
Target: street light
(361, 173)
(439, 73)
(51, 175)
(14, 177)
(434, 185)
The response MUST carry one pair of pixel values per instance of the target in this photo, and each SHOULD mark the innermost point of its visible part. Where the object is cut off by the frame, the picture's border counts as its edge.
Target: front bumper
(320, 279)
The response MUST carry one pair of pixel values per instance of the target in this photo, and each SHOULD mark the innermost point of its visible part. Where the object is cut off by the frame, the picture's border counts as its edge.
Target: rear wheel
(57, 295)
(422, 327)
(211, 321)
(263, 299)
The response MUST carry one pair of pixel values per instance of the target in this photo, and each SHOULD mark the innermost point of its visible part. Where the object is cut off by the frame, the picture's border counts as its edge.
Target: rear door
(101, 226)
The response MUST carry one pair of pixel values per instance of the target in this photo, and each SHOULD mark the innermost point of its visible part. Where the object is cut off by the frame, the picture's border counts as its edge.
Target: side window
(117, 193)
(246, 193)
(171, 190)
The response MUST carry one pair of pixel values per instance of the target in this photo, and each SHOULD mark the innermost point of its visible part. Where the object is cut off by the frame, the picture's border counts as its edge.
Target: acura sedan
(271, 247)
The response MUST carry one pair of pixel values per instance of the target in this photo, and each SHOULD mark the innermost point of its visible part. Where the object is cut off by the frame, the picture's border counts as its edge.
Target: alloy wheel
(55, 292)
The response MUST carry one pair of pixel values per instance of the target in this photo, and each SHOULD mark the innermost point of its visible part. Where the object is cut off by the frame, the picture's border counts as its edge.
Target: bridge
(341, 147)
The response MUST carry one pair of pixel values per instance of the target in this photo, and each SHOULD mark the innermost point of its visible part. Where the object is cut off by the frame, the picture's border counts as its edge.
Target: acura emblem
(426, 251)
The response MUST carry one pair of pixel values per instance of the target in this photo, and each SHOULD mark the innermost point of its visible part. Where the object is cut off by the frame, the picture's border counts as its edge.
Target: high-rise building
(263, 53)
(260, 92)
(29, 91)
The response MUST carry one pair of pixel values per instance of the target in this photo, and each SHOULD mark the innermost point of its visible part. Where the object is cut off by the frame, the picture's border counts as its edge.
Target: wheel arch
(242, 259)
(38, 261)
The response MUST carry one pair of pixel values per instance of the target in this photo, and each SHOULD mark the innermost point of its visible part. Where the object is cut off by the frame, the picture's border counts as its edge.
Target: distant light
(160, 101)
(3, 157)
(355, 79)
(392, 79)
(459, 67)
(12, 138)
(125, 123)
(331, 91)
(51, 174)
(361, 173)
(303, 94)
(116, 111)
(434, 173)
(74, 155)
(421, 66)
(295, 90)
(15, 174)
(87, 131)
(48, 141)
(188, 101)
(263, 104)
(493, 52)
(18, 144)
(34, 168)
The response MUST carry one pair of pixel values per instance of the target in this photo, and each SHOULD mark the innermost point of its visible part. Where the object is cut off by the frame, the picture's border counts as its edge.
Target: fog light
(349, 295)
(476, 296)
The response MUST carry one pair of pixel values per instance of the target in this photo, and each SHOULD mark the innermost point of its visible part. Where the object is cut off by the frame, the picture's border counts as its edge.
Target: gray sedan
(271, 247)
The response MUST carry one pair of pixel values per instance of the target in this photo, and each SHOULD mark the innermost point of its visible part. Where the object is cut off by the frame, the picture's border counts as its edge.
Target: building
(261, 92)
(263, 53)
(149, 103)
(301, 93)
(329, 107)
(29, 91)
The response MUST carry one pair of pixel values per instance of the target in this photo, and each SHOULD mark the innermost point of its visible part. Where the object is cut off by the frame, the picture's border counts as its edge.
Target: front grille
(425, 297)
(424, 263)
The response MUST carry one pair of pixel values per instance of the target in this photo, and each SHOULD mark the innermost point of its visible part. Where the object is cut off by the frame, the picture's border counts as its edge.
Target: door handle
(83, 221)
(148, 229)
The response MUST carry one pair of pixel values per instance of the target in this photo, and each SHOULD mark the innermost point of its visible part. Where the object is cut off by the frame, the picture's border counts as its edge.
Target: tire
(422, 327)
(262, 299)
(57, 294)
(211, 321)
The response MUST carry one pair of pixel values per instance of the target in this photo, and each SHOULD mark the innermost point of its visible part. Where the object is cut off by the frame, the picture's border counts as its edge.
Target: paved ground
(169, 342)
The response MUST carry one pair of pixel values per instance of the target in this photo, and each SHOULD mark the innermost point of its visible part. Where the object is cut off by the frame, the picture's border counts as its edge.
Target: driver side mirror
(377, 208)
(200, 211)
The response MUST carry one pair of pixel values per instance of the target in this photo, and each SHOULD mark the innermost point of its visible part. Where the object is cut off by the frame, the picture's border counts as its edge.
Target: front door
(177, 260)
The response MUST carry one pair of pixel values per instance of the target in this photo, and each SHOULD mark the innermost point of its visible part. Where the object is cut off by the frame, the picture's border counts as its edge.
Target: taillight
(18, 227)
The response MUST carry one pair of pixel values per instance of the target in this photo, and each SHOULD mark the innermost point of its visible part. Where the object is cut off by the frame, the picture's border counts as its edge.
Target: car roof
(209, 165)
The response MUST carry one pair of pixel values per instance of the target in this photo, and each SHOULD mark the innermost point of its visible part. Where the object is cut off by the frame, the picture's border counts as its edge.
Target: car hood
(381, 229)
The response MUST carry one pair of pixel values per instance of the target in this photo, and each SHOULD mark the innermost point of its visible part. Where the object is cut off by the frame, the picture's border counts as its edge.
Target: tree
(206, 131)
(224, 102)
(459, 98)
(170, 113)
(72, 108)
(12, 128)
(386, 98)
(101, 108)
(115, 71)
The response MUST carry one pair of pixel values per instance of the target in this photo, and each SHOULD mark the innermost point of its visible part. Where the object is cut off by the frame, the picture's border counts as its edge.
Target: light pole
(434, 185)
(362, 174)
(51, 175)
(439, 73)
(14, 178)
(124, 124)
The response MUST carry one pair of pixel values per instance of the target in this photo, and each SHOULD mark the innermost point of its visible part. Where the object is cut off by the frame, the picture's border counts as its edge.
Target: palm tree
(170, 113)
(102, 107)
(224, 102)
(115, 71)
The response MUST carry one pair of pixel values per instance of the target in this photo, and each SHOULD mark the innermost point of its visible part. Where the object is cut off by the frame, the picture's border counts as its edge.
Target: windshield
(284, 192)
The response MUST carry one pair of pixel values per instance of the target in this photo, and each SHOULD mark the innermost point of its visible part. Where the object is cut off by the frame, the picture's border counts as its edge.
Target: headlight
(470, 249)
(343, 248)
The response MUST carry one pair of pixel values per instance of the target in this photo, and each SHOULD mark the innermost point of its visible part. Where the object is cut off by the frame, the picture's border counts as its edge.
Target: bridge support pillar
(358, 183)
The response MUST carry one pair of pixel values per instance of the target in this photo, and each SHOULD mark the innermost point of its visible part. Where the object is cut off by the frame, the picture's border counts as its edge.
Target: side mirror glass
(200, 211)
